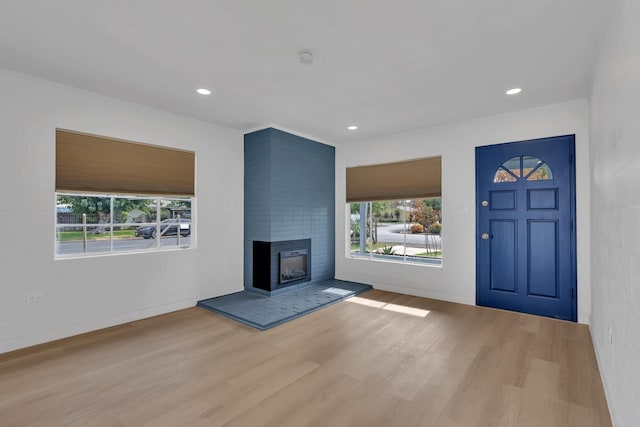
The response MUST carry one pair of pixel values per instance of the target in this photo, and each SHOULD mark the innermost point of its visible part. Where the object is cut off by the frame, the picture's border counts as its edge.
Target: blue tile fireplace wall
(289, 194)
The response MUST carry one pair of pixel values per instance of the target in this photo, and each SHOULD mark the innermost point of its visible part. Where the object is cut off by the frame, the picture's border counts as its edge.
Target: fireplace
(293, 265)
(280, 264)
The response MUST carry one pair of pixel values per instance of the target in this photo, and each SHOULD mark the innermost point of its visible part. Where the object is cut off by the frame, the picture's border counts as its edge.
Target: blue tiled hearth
(289, 194)
(263, 312)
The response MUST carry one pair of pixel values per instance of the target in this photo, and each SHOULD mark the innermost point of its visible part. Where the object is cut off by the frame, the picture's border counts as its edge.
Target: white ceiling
(387, 66)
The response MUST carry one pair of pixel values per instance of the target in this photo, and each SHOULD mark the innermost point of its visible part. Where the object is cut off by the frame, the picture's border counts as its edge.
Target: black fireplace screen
(293, 265)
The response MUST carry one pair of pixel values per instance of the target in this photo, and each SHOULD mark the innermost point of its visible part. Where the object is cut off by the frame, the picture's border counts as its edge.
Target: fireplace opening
(293, 265)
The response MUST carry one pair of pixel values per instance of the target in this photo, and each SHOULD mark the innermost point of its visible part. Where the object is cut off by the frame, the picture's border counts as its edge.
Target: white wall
(615, 202)
(92, 293)
(455, 280)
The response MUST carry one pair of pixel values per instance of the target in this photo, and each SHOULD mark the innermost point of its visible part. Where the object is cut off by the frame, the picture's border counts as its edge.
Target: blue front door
(525, 219)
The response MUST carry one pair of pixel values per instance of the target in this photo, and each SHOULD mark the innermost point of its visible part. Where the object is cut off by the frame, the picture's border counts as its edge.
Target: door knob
(485, 236)
(485, 203)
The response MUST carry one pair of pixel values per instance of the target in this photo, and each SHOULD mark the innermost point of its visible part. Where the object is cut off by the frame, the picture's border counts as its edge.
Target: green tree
(435, 203)
(180, 204)
(101, 207)
(427, 212)
(383, 209)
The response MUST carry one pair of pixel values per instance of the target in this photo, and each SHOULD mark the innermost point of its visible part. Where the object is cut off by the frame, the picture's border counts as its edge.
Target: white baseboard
(607, 392)
(424, 293)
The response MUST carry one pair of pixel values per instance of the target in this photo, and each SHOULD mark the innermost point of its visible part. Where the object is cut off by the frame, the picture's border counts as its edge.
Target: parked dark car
(168, 227)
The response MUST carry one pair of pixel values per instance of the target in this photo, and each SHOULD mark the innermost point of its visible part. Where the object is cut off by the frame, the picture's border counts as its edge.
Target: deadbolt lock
(485, 203)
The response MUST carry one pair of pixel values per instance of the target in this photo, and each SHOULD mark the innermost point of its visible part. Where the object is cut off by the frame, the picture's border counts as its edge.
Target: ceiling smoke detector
(305, 57)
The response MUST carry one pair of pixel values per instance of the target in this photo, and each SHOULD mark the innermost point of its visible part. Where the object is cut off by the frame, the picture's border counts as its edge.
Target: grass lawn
(77, 235)
(356, 246)
(433, 254)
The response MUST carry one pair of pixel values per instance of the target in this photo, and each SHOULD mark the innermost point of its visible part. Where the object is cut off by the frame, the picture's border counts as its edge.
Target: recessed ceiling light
(352, 127)
(514, 91)
(203, 91)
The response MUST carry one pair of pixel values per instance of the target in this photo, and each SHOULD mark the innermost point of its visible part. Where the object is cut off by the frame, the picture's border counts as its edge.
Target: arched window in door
(523, 168)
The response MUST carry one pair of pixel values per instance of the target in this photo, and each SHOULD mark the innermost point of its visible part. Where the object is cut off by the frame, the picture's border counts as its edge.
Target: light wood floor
(381, 359)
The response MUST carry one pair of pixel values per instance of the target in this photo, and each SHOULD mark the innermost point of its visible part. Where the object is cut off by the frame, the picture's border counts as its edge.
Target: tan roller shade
(411, 179)
(90, 163)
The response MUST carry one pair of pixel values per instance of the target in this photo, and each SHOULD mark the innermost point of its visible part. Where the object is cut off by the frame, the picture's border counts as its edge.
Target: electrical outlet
(610, 337)
(37, 297)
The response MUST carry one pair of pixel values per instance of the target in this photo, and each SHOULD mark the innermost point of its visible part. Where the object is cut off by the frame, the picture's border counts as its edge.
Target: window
(115, 196)
(400, 230)
(395, 211)
(526, 167)
(89, 224)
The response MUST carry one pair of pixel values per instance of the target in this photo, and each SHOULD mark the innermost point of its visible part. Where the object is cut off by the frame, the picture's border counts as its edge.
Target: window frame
(399, 259)
(157, 247)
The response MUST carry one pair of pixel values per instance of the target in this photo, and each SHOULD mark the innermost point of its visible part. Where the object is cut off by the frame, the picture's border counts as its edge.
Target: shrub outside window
(398, 230)
(90, 224)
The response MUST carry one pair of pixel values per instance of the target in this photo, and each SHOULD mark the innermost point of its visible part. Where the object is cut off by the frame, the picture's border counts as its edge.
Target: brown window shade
(411, 179)
(90, 163)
